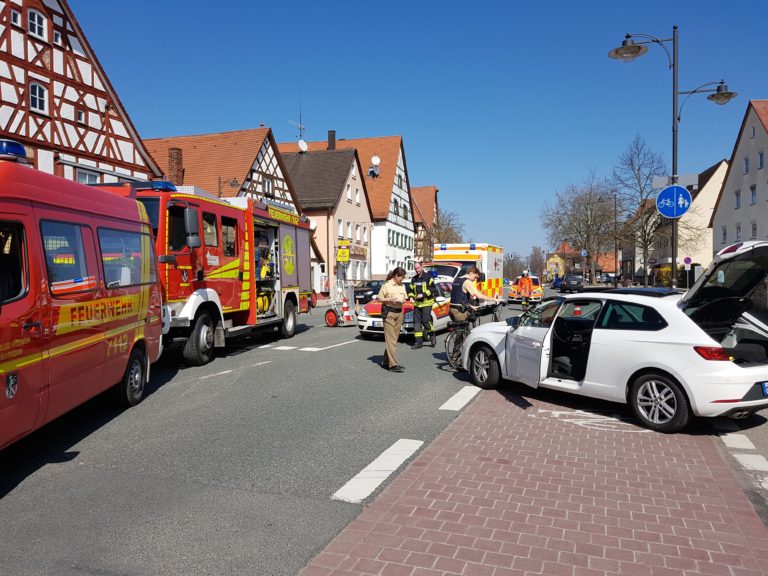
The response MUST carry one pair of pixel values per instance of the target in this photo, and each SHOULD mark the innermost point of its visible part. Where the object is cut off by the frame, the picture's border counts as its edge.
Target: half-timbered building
(226, 164)
(425, 220)
(56, 99)
(389, 195)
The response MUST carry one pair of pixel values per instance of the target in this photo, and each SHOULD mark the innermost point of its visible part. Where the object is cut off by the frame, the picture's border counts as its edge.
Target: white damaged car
(669, 356)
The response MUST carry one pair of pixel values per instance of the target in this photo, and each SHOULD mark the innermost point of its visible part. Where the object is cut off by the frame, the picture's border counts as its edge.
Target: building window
(737, 199)
(38, 98)
(405, 211)
(365, 234)
(357, 196)
(80, 117)
(57, 37)
(357, 232)
(752, 132)
(389, 237)
(353, 173)
(396, 208)
(341, 228)
(86, 176)
(738, 232)
(753, 194)
(349, 230)
(754, 230)
(724, 237)
(760, 160)
(36, 25)
(399, 180)
(15, 17)
(268, 187)
(349, 193)
(746, 165)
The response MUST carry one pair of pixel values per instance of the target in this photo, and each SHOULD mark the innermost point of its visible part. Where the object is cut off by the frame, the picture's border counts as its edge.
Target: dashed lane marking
(460, 399)
(286, 347)
(217, 374)
(737, 441)
(754, 462)
(312, 349)
(370, 477)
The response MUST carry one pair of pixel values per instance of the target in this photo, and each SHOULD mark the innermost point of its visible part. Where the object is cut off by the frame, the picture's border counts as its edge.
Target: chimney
(331, 139)
(175, 166)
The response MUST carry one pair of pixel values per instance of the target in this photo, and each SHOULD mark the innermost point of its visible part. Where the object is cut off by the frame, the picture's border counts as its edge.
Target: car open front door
(525, 344)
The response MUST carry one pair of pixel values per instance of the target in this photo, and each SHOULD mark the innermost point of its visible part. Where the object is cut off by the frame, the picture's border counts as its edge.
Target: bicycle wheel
(453, 349)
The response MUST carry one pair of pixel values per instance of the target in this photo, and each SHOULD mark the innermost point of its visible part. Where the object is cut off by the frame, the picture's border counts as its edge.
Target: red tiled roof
(761, 109)
(379, 188)
(212, 160)
(425, 204)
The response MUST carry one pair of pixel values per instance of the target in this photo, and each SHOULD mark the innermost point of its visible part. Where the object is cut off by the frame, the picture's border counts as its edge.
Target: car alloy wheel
(484, 368)
(660, 403)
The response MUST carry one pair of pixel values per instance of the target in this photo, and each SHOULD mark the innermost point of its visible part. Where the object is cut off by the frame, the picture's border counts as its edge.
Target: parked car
(369, 317)
(367, 291)
(572, 283)
(669, 356)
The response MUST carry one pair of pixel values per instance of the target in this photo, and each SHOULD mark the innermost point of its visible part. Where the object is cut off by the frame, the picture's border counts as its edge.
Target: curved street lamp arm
(692, 92)
(654, 40)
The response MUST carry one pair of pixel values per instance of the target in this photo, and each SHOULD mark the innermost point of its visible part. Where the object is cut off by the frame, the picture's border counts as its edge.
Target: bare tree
(448, 228)
(633, 178)
(537, 261)
(514, 264)
(582, 215)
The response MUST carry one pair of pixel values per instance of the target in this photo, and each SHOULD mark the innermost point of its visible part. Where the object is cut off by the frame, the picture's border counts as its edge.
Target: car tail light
(712, 353)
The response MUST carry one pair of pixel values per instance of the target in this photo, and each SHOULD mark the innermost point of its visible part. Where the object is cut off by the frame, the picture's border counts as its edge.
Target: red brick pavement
(507, 491)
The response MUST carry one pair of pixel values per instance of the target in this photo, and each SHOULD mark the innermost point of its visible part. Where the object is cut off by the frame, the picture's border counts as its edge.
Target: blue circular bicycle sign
(673, 201)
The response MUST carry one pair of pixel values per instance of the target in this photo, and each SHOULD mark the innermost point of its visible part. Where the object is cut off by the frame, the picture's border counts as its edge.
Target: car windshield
(542, 314)
(443, 270)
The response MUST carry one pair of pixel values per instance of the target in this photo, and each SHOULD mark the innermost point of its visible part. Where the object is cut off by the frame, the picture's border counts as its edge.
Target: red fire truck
(228, 266)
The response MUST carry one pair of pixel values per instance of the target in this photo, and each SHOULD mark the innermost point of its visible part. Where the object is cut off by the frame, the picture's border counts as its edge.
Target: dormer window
(36, 25)
(38, 98)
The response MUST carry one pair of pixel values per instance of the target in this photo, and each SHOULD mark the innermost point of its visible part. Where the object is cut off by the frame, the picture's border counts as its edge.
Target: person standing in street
(392, 296)
(463, 289)
(525, 288)
(422, 292)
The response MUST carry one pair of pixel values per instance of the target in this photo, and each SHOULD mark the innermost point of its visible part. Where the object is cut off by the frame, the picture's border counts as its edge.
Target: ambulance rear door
(24, 362)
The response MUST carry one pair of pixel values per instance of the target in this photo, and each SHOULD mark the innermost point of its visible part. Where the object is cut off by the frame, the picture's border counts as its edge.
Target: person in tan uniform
(392, 296)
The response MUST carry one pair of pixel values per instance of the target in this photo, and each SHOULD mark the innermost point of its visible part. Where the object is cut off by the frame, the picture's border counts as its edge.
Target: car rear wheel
(484, 367)
(659, 403)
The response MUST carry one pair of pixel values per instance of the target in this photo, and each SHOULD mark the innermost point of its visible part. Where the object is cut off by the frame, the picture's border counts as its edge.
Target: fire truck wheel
(289, 319)
(313, 299)
(331, 320)
(130, 390)
(199, 347)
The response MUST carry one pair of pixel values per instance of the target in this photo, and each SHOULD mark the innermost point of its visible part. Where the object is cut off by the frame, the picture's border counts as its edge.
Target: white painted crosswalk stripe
(370, 477)
(754, 462)
(461, 398)
(737, 441)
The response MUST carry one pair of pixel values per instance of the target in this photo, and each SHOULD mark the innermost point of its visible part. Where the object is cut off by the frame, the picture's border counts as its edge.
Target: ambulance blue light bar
(12, 150)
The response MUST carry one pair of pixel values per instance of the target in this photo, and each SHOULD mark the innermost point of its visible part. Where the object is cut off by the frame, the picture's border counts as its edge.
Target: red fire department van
(227, 267)
(80, 298)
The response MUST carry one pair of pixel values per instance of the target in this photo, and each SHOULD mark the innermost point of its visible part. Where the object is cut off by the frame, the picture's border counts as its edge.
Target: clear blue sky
(500, 104)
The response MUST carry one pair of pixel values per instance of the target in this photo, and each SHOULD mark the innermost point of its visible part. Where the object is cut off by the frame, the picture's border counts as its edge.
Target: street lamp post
(628, 51)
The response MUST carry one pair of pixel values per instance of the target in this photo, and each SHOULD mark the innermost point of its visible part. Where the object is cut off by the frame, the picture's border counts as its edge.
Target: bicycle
(459, 331)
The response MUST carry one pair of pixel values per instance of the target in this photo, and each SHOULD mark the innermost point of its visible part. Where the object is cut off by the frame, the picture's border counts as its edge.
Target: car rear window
(629, 316)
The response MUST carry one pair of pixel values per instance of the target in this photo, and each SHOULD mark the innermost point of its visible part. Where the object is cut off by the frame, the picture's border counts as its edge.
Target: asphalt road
(230, 468)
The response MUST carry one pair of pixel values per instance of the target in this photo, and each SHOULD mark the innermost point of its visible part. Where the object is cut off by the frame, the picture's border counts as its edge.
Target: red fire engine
(227, 266)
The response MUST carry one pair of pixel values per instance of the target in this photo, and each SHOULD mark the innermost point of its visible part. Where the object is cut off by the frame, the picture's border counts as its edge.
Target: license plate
(765, 388)
(379, 324)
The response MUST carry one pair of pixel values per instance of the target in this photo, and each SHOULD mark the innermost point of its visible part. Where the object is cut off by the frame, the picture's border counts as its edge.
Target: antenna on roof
(299, 124)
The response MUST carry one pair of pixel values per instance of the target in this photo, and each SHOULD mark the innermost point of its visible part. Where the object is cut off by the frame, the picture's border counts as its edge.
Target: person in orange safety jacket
(525, 287)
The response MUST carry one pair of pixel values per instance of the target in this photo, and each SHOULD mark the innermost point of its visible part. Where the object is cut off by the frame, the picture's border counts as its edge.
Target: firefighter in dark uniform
(423, 292)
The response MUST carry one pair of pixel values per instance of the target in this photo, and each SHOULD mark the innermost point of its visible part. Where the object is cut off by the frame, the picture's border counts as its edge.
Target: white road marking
(370, 477)
(265, 346)
(460, 399)
(217, 374)
(285, 347)
(738, 441)
(340, 344)
(259, 364)
(752, 462)
(309, 349)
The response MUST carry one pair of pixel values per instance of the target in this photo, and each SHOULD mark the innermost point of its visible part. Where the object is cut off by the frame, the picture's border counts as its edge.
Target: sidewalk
(515, 486)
